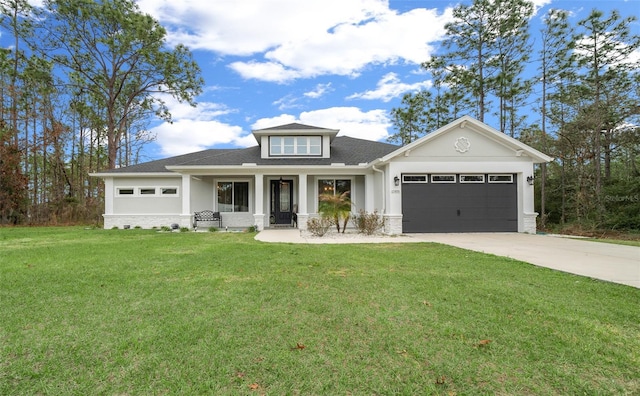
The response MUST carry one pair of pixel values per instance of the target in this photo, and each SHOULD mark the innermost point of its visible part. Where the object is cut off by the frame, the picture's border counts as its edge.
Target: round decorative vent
(462, 145)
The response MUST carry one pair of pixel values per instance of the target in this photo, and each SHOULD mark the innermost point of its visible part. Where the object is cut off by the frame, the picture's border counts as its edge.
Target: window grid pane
(225, 197)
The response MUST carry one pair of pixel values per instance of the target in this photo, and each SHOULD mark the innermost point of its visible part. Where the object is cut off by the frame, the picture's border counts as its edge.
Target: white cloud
(197, 128)
(301, 39)
(186, 136)
(390, 87)
(319, 91)
(351, 121)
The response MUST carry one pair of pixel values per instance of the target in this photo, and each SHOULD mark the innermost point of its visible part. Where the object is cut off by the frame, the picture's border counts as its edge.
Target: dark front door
(281, 198)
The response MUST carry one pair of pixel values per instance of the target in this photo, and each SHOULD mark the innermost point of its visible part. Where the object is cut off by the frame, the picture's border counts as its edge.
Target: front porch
(273, 200)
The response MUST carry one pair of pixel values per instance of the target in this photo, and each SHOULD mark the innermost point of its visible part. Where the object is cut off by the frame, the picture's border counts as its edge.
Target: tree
(117, 56)
(554, 64)
(412, 119)
(336, 207)
(602, 49)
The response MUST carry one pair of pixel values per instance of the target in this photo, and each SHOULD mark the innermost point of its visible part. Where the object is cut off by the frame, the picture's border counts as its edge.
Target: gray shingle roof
(347, 150)
(295, 126)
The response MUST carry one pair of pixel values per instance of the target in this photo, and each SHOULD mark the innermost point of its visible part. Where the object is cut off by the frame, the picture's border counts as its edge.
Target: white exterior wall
(440, 155)
(146, 211)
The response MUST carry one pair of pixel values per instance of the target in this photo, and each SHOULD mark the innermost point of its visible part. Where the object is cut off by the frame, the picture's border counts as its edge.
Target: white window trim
(250, 193)
(510, 176)
(462, 176)
(426, 178)
(176, 195)
(352, 193)
(155, 191)
(295, 146)
(442, 181)
(125, 195)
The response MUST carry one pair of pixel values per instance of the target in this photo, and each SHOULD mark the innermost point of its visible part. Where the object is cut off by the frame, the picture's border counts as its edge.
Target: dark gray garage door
(461, 207)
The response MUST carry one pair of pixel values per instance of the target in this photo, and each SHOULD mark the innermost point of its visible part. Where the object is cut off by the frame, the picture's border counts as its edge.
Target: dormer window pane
(295, 145)
(289, 145)
(276, 145)
(302, 145)
(315, 145)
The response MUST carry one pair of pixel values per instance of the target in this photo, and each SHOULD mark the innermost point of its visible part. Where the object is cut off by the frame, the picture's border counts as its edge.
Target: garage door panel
(459, 207)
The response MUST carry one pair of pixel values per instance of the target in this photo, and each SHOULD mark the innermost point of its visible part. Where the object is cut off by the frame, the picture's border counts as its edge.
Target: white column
(186, 195)
(259, 195)
(109, 194)
(258, 201)
(302, 193)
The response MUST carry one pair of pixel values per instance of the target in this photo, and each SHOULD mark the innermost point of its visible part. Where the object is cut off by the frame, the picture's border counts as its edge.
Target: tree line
(569, 90)
(79, 80)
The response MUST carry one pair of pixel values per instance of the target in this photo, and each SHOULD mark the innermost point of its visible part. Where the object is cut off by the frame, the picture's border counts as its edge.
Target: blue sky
(340, 64)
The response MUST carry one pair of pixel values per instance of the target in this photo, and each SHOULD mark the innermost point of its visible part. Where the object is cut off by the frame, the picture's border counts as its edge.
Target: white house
(463, 177)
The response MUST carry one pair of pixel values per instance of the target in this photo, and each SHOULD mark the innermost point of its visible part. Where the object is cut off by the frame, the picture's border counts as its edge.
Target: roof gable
(471, 138)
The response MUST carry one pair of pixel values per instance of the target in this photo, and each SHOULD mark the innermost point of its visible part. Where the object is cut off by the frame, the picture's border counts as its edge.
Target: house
(463, 177)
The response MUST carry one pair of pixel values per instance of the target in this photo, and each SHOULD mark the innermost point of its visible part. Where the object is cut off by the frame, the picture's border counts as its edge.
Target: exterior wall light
(396, 181)
(530, 180)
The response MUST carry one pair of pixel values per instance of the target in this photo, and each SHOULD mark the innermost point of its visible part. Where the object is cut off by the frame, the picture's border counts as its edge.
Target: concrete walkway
(605, 261)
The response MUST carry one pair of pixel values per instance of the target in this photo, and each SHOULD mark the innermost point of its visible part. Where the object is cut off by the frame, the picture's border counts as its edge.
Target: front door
(281, 198)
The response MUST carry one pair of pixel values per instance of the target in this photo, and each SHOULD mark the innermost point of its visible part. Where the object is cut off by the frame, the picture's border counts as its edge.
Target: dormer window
(295, 146)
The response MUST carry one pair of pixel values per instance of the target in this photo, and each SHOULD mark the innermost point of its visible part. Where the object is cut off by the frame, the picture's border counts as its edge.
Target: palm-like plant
(336, 207)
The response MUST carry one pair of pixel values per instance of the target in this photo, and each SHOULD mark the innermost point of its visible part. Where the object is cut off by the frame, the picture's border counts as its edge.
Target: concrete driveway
(605, 261)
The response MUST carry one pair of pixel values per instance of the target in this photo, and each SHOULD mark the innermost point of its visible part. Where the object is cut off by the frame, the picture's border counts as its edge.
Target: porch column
(303, 211)
(185, 218)
(108, 195)
(258, 201)
(186, 195)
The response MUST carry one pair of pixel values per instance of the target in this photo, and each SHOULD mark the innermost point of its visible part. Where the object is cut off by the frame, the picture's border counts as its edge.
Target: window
(148, 191)
(500, 178)
(125, 191)
(443, 178)
(414, 178)
(334, 186)
(295, 145)
(169, 191)
(471, 178)
(233, 196)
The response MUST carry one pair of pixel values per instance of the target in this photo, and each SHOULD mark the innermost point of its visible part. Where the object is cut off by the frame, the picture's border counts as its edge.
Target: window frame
(406, 177)
(431, 178)
(292, 146)
(334, 179)
(510, 181)
(120, 194)
(472, 175)
(233, 195)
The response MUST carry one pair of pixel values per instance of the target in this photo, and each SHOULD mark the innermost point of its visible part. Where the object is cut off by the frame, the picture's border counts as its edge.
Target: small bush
(252, 229)
(184, 229)
(114, 227)
(165, 228)
(368, 223)
(137, 227)
(213, 229)
(318, 226)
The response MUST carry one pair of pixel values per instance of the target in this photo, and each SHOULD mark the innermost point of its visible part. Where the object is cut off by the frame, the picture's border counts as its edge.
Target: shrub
(213, 229)
(165, 228)
(368, 223)
(318, 226)
(184, 229)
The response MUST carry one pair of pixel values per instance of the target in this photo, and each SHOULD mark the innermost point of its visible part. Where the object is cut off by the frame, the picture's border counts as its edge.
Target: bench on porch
(206, 215)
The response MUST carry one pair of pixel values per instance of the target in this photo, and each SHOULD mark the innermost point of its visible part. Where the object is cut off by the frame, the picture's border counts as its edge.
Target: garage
(459, 203)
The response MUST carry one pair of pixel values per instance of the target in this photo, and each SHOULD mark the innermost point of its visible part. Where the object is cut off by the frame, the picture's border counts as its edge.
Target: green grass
(141, 312)
(617, 241)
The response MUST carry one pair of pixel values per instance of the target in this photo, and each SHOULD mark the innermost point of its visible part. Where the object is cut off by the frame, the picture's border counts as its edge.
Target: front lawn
(141, 312)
